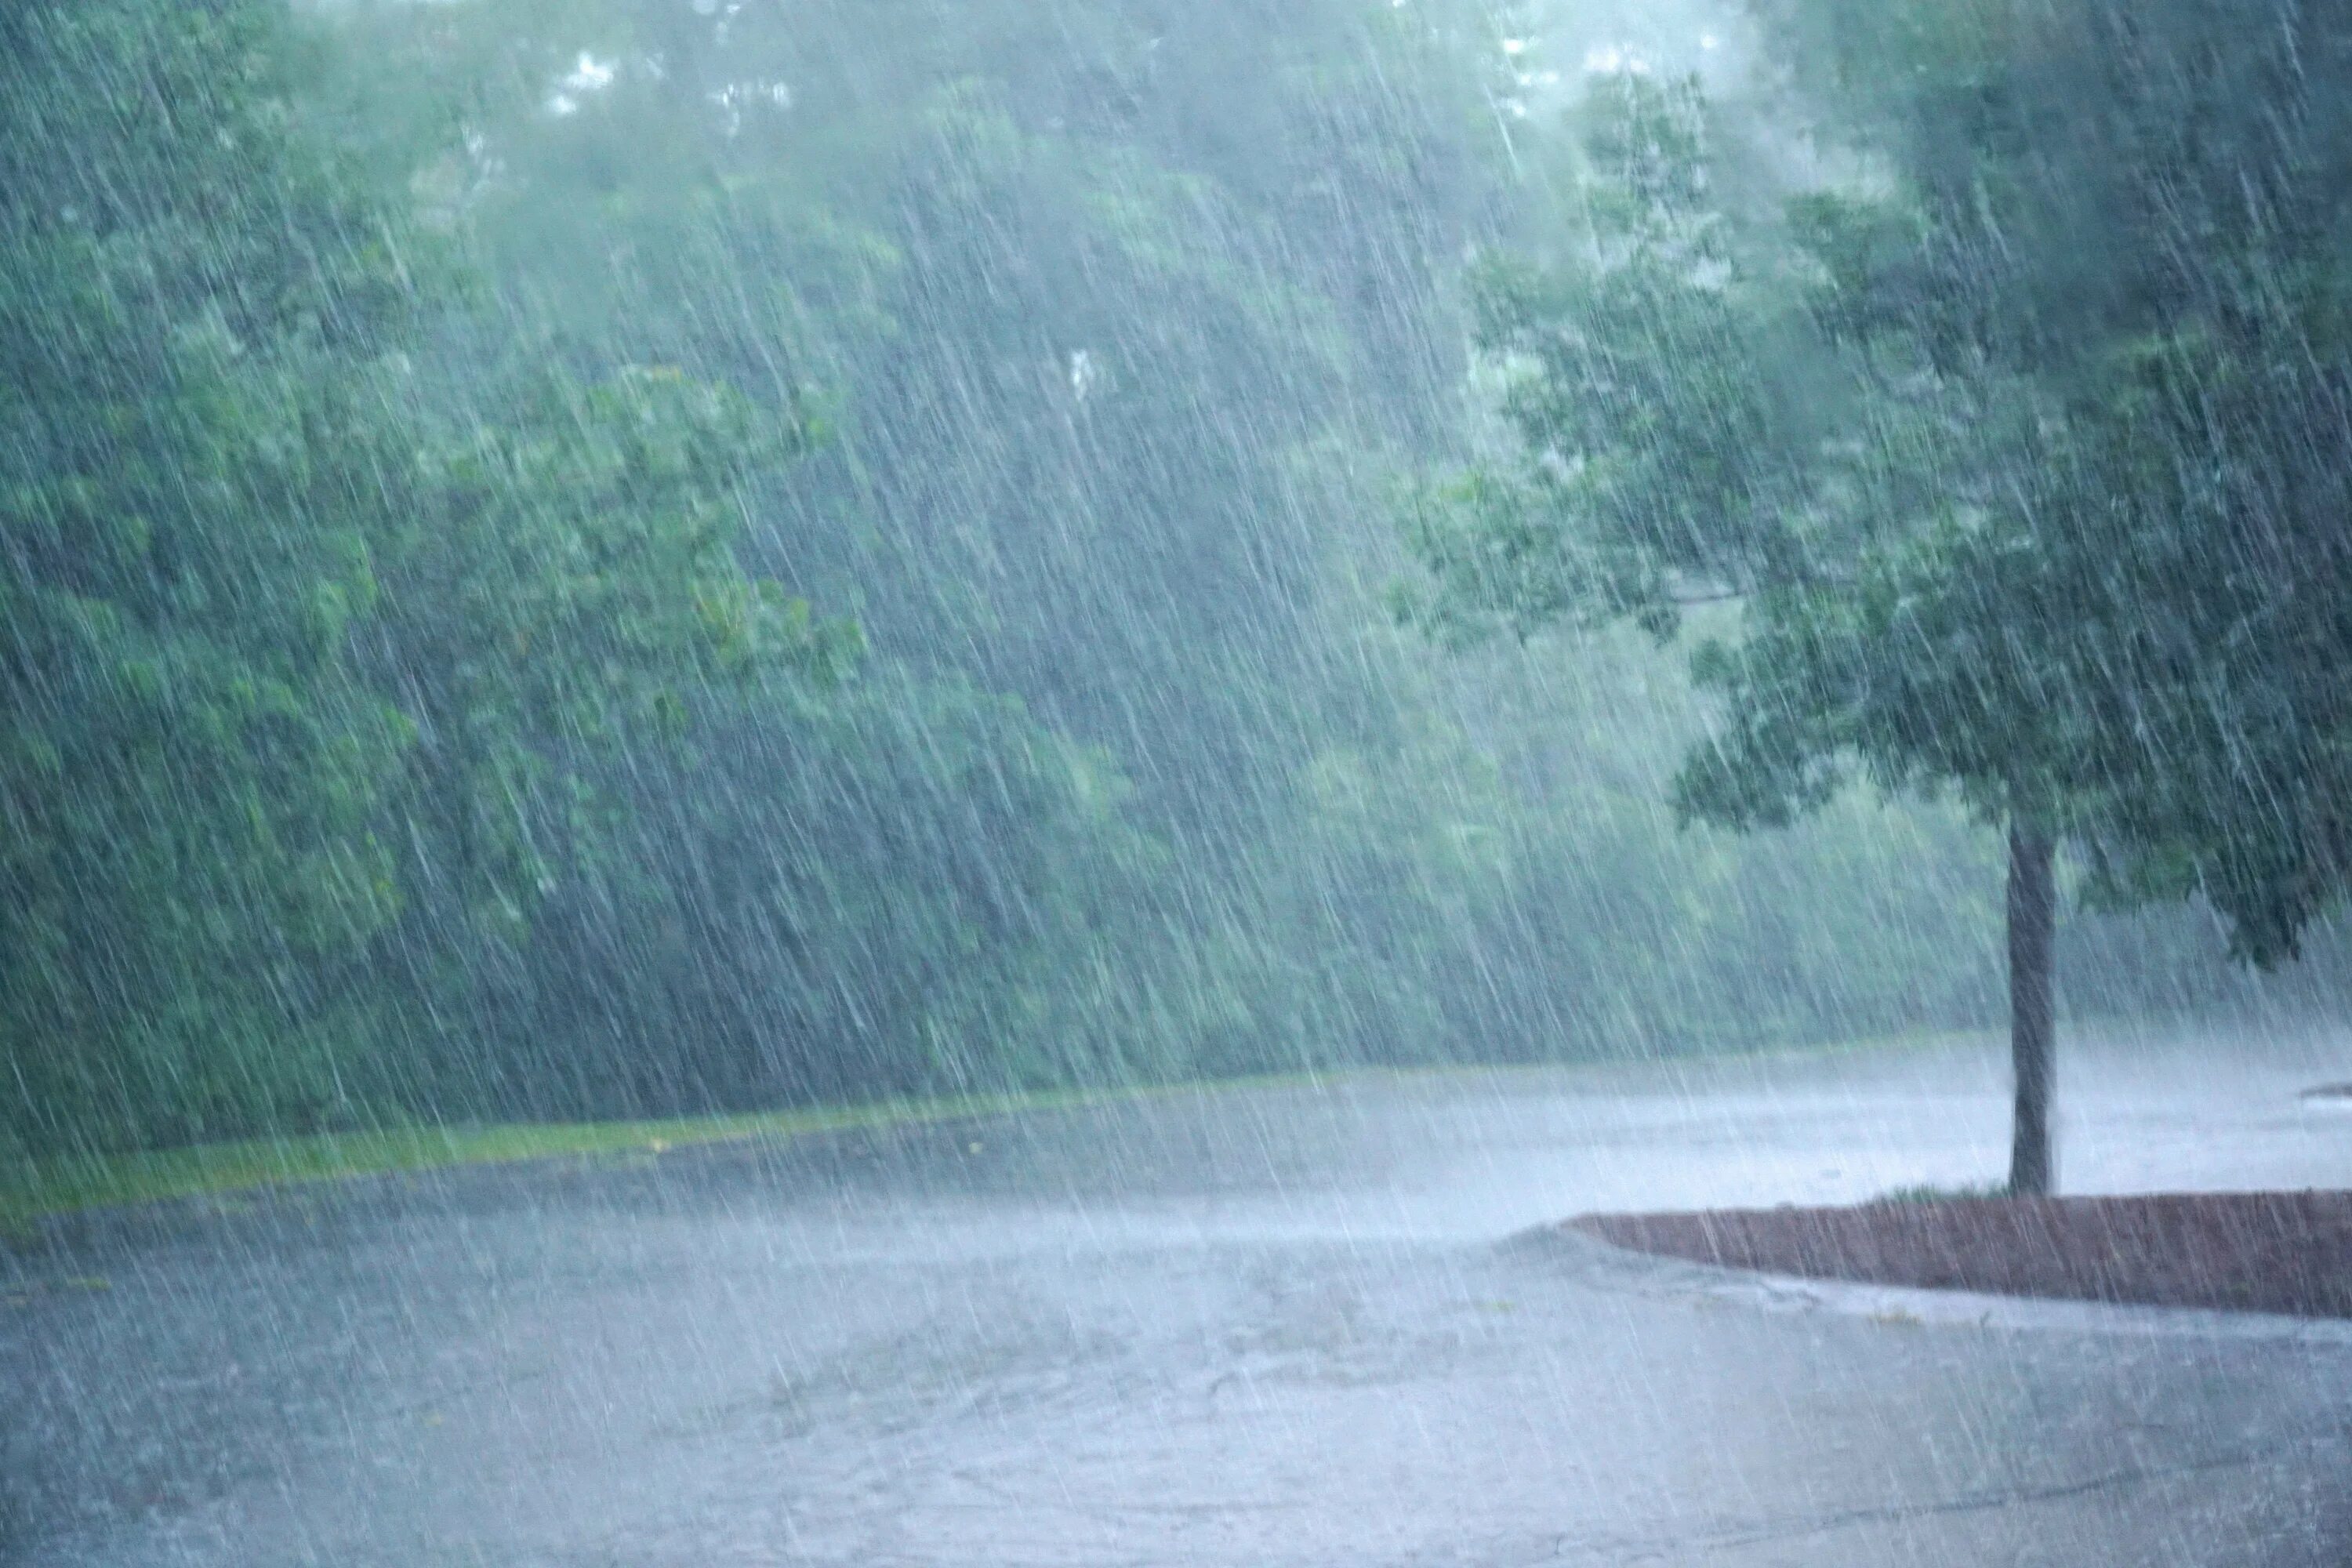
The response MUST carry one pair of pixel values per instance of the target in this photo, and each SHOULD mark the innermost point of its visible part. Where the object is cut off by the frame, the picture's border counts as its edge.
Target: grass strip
(30, 1191)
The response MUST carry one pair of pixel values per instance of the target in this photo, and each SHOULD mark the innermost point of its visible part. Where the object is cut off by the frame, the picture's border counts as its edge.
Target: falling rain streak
(868, 781)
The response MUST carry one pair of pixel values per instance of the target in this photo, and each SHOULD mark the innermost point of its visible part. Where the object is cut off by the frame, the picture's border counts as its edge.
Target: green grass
(30, 1191)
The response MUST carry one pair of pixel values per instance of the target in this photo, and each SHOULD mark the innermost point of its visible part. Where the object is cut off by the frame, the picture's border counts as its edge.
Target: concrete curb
(1609, 1266)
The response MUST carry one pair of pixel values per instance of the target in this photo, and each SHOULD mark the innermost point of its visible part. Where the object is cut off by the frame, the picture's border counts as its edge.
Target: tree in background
(300, 655)
(520, 349)
(1115, 311)
(1692, 425)
(2139, 211)
(2009, 449)
(198, 319)
(2119, 230)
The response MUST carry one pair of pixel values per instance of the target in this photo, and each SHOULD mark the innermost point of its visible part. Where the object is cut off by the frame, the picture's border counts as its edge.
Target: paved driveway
(1261, 1327)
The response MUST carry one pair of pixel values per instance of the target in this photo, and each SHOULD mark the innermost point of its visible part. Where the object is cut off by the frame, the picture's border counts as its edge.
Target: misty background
(809, 553)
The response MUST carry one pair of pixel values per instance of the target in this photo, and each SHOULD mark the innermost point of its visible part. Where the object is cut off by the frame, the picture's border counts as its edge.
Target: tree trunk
(2032, 1012)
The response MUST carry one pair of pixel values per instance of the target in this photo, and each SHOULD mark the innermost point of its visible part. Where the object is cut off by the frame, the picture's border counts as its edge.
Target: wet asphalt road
(1264, 1327)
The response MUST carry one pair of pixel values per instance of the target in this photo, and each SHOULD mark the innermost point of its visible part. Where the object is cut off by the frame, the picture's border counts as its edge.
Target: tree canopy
(585, 557)
(2007, 422)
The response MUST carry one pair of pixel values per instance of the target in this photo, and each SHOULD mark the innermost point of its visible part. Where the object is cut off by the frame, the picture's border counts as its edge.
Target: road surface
(1269, 1327)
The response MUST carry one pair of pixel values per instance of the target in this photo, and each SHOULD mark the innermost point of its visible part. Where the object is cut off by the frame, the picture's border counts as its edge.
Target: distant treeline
(592, 558)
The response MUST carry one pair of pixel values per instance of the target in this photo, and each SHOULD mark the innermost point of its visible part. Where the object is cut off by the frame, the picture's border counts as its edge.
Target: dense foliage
(2129, 221)
(302, 660)
(2008, 419)
(569, 557)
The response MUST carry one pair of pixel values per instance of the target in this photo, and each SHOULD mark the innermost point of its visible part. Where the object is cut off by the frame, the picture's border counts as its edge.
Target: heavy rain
(1313, 784)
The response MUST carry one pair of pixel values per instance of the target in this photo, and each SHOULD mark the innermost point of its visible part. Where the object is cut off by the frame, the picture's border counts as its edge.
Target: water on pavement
(1263, 1326)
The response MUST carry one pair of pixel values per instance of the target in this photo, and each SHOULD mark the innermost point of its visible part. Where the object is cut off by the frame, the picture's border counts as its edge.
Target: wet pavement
(1267, 1326)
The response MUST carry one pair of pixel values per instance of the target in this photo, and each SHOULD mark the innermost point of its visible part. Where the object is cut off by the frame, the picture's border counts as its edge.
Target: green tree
(2011, 448)
(2119, 229)
(308, 642)
(1053, 304)
(560, 593)
(2139, 210)
(1695, 431)
(1116, 309)
(199, 320)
